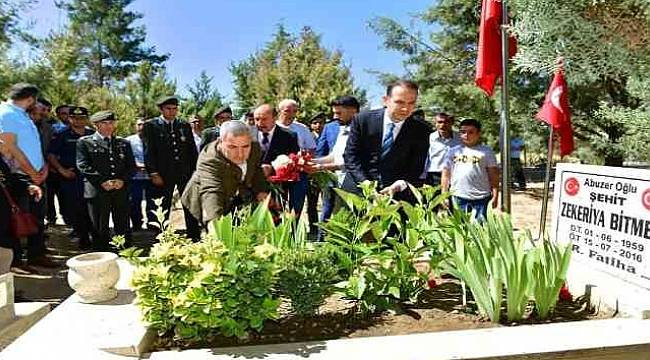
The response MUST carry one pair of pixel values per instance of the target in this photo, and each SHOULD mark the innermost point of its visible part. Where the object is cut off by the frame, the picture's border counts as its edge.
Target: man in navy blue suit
(344, 108)
(388, 145)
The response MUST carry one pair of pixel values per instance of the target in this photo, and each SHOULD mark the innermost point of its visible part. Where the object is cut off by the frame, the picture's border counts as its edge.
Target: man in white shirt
(287, 110)
(440, 141)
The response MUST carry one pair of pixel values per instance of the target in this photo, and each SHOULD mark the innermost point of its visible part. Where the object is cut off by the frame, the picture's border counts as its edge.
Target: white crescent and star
(555, 98)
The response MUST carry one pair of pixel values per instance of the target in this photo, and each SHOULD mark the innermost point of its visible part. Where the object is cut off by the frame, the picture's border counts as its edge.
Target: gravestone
(604, 212)
(7, 311)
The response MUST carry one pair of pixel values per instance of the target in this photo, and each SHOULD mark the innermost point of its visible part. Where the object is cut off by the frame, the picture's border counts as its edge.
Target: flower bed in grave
(251, 281)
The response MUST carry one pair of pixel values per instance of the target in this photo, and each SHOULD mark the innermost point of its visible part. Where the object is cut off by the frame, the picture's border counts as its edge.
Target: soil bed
(439, 309)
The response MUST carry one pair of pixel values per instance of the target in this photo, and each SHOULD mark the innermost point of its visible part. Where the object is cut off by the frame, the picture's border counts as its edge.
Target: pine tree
(111, 45)
(145, 86)
(295, 67)
(606, 47)
(204, 98)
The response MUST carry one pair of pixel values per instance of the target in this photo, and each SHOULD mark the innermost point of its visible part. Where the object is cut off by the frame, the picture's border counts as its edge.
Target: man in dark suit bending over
(388, 145)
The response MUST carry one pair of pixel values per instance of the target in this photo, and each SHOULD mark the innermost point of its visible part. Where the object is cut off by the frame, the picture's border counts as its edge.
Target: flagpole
(547, 181)
(505, 112)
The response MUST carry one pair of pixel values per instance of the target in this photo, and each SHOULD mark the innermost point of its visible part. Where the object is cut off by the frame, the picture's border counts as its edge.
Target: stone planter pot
(93, 276)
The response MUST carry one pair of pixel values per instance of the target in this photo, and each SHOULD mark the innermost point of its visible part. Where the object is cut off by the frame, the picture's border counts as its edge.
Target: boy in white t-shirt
(470, 172)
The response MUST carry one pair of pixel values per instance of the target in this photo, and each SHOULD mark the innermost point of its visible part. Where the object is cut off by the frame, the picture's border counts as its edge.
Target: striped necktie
(387, 143)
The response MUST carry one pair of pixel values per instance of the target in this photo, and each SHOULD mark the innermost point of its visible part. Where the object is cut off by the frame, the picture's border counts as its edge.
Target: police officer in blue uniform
(62, 157)
(170, 158)
(107, 164)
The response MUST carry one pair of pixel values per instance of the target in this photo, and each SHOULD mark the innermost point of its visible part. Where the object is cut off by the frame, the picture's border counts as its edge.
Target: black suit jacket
(170, 153)
(97, 162)
(362, 156)
(283, 142)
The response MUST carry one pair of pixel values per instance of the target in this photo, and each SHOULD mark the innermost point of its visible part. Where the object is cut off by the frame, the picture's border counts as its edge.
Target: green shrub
(198, 289)
(376, 250)
(307, 278)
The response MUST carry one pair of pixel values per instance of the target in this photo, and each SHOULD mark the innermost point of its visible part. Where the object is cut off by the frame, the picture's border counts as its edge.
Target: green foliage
(606, 47)
(204, 98)
(307, 278)
(550, 263)
(475, 260)
(111, 45)
(11, 28)
(145, 86)
(440, 55)
(101, 98)
(375, 250)
(295, 67)
(490, 259)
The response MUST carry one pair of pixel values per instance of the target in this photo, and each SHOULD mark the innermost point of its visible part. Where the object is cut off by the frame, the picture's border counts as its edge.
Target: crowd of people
(97, 176)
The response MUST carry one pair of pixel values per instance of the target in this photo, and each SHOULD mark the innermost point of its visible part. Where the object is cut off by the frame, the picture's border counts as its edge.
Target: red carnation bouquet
(288, 167)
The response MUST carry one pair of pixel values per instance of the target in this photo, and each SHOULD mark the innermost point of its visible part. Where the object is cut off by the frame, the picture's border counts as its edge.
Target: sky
(210, 34)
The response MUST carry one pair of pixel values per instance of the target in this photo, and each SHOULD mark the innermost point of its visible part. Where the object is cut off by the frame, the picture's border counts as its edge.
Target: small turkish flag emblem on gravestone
(571, 186)
(645, 199)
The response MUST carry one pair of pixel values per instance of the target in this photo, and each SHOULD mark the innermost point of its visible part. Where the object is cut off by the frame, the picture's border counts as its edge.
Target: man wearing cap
(170, 157)
(107, 164)
(22, 144)
(62, 157)
(212, 133)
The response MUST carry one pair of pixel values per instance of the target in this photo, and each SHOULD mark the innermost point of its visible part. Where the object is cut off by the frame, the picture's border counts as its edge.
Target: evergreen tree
(295, 67)
(10, 21)
(111, 45)
(204, 98)
(145, 86)
(606, 47)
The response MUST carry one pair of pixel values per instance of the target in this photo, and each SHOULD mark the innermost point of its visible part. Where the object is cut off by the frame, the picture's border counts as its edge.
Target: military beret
(222, 110)
(78, 111)
(22, 91)
(103, 115)
(165, 100)
(319, 116)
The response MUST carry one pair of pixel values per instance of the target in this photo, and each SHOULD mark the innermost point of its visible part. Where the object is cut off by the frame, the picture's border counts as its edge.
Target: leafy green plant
(376, 250)
(474, 258)
(307, 278)
(549, 265)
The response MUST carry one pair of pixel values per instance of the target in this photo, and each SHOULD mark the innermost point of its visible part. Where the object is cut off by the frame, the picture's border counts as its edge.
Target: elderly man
(106, 163)
(228, 175)
(288, 108)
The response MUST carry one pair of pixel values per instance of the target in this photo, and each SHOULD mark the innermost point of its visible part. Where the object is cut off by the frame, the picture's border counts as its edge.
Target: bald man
(274, 141)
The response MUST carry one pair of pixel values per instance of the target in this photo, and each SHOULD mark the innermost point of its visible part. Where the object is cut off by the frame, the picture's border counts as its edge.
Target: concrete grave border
(112, 330)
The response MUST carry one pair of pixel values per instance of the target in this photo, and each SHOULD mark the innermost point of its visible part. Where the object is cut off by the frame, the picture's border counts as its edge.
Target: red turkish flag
(488, 63)
(556, 113)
